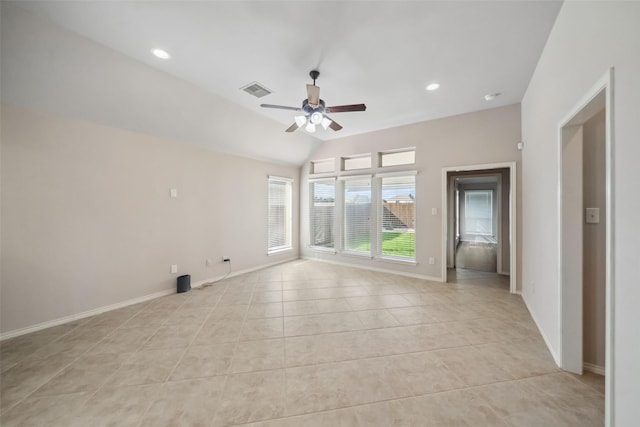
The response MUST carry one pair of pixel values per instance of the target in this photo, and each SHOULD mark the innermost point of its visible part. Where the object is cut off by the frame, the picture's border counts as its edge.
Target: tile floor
(301, 344)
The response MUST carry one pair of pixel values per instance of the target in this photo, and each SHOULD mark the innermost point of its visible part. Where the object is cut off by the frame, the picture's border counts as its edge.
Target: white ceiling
(381, 53)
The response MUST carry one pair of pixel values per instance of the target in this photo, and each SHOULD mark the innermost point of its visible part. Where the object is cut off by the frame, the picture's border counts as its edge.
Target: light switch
(434, 211)
(174, 268)
(592, 215)
(174, 193)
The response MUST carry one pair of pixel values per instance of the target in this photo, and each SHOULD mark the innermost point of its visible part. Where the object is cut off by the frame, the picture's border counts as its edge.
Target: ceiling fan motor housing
(310, 110)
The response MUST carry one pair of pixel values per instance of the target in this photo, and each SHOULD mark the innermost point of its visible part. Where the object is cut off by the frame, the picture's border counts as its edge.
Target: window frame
(343, 219)
(345, 159)
(381, 155)
(288, 215)
(380, 220)
(311, 245)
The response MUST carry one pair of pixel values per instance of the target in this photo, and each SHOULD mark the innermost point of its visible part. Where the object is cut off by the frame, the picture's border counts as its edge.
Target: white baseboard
(381, 270)
(590, 367)
(200, 283)
(84, 314)
(93, 312)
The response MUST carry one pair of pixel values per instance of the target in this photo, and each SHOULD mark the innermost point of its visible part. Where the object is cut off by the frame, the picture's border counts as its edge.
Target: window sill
(356, 255)
(279, 251)
(322, 249)
(397, 260)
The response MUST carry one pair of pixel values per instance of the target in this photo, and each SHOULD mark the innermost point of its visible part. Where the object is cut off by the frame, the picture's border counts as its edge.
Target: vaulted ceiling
(381, 53)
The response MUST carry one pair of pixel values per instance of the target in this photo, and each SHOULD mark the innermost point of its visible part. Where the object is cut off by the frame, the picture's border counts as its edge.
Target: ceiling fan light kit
(314, 109)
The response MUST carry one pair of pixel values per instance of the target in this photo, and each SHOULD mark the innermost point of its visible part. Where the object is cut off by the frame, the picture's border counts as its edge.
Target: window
(478, 213)
(323, 166)
(356, 162)
(357, 208)
(397, 217)
(398, 158)
(280, 202)
(322, 195)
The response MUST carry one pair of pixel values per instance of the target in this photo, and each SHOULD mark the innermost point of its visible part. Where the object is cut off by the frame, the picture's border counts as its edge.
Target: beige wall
(587, 39)
(594, 235)
(483, 137)
(87, 220)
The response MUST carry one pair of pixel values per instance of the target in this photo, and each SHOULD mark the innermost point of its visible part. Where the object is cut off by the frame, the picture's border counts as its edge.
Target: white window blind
(478, 212)
(397, 217)
(280, 195)
(357, 208)
(322, 196)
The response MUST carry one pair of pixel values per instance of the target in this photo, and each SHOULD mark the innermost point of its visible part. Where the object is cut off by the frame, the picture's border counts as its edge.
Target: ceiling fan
(314, 110)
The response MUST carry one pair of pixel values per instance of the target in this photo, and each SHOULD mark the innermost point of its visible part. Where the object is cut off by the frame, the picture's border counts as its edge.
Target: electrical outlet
(208, 262)
(174, 268)
(432, 260)
(224, 257)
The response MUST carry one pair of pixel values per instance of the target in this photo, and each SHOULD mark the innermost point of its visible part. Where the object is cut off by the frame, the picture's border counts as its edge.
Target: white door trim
(512, 216)
(576, 116)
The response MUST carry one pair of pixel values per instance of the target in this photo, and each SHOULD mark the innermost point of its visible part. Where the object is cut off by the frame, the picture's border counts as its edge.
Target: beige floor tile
(204, 361)
(453, 408)
(172, 337)
(594, 380)
(189, 316)
(250, 397)
(229, 312)
(146, 367)
(412, 315)
(124, 341)
(146, 318)
(121, 406)
(377, 301)
(229, 298)
(340, 385)
(257, 329)
(329, 305)
(321, 324)
(377, 319)
(86, 374)
(473, 366)
(338, 418)
(28, 375)
(45, 411)
(258, 356)
(301, 344)
(185, 403)
(419, 373)
(313, 349)
(267, 296)
(219, 331)
(272, 309)
(268, 286)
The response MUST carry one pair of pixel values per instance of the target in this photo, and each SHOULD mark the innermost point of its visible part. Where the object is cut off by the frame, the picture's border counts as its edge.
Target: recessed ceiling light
(162, 54)
(432, 86)
(491, 96)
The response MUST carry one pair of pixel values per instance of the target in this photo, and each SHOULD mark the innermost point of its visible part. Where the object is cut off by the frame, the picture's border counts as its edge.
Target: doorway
(476, 241)
(479, 221)
(585, 227)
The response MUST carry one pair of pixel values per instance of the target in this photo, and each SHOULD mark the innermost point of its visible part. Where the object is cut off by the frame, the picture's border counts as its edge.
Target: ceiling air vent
(256, 89)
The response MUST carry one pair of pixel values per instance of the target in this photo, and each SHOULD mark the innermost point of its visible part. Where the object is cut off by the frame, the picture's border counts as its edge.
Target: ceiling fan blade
(281, 107)
(345, 108)
(293, 127)
(335, 126)
(313, 94)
